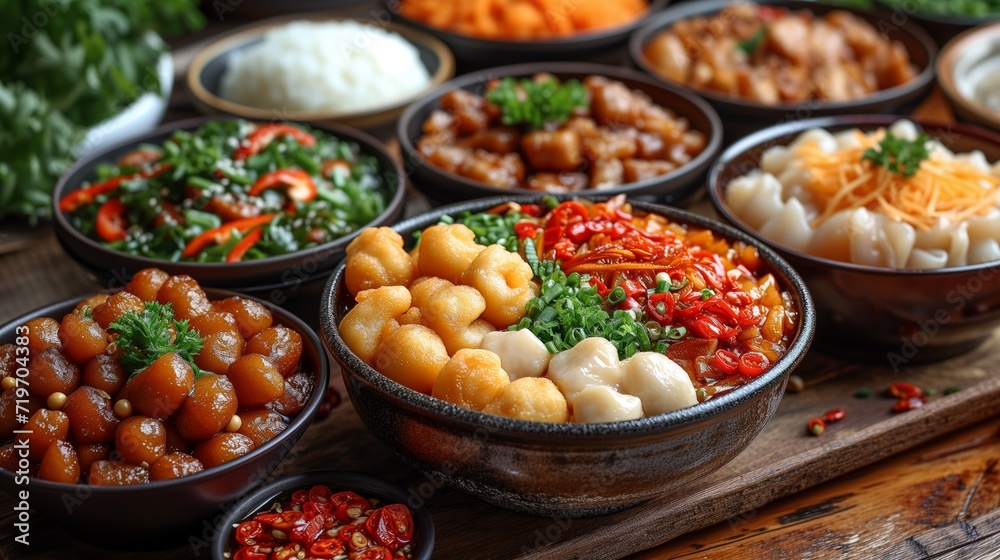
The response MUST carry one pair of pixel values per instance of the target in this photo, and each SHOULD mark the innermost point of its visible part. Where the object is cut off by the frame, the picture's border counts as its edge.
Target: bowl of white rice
(355, 72)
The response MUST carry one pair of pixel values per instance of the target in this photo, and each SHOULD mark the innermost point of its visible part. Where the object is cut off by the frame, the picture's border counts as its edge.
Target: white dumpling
(937, 237)
(603, 404)
(789, 226)
(661, 385)
(958, 251)
(899, 237)
(594, 361)
(823, 139)
(984, 227)
(765, 203)
(922, 259)
(521, 353)
(904, 129)
(775, 160)
(831, 240)
(847, 139)
(984, 250)
(866, 248)
(793, 181)
(741, 191)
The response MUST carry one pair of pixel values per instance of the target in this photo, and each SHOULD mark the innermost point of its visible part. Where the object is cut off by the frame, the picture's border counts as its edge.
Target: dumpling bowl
(891, 316)
(183, 510)
(573, 469)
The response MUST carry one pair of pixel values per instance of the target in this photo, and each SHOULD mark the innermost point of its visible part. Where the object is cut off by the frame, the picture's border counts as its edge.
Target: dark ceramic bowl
(338, 481)
(204, 76)
(942, 27)
(260, 276)
(963, 69)
(743, 116)
(581, 46)
(677, 185)
(873, 314)
(566, 469)
(170, 512)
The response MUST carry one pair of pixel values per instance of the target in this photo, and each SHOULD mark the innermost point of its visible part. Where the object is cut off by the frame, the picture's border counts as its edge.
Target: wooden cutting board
(781, 461)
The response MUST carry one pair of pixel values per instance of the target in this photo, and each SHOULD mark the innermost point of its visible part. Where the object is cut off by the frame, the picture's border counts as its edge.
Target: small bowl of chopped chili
(326, 514)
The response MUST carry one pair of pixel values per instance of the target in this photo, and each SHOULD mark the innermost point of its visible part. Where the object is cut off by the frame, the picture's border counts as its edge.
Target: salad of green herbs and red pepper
(230, 191)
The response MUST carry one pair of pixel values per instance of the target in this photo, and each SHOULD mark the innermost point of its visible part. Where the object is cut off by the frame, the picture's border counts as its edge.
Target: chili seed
(863, 393)
(279, 534)
(795, 384)
(817, 427)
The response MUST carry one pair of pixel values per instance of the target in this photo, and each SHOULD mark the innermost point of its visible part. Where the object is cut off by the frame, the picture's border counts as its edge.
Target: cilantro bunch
(537, 103)
(66, 66)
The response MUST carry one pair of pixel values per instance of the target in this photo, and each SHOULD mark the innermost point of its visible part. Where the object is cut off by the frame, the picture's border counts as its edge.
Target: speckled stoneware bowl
(338, 481)
(967, 72)
(566, 469)
(176, 512)
(880, 315)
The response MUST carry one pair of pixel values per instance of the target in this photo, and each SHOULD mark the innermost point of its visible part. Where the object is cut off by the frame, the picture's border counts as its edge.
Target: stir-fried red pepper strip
(660, 307)
(86, 195)
(222, 233)
(244, 245)
(300, 184)
(265, 134)
(112, 221)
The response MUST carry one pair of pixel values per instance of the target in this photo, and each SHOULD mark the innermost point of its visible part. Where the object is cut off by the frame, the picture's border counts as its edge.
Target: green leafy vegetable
(68, 65)
(898, 155)
(751, 45)
(145, 336)
(536, 103)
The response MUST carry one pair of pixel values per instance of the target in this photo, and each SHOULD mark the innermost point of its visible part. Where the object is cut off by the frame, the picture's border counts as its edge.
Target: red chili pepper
(84, 196)
(253, 552)
(287, 520)
(628, 304)
(346, 533)
(708, 326)
(835, 415)
(391, 526)
(307, 533)
(248, 531)
(525, 230)
(243, 245)
(754, 363)
(660, 307)
(112, 221)
(348, 506)
(267, 518)
(578, 232)
(300, 184)
(633, 288)
(617, 231)
(727, 361)
(373, 553)
(602, 289)
(901, 390)
(321, 494)
(326, 548)
(222, 233)
(533, 210)
(316, 508)
(564, 249)
(265, 134)
(817, 427)
(716, 305)
(300, 497)
(567, 213)
(908, 403)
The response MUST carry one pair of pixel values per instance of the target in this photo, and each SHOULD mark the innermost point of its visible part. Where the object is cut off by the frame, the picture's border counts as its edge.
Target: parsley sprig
(146, 335)
(899, 155)
(536, 103)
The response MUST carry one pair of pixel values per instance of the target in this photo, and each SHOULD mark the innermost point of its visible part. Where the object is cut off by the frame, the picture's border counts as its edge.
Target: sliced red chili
(243, 245)
(633, 288)
(321, 494)
(265, 134)
(112, 221)
(525, 230)
(300, 184)
(373, 553)
(267, 518)
(533, 210)
(253, 552)
(316, 508)
(222, 233)
(300, 497)
(835, 415)
(908, 403)
(754, 363)
(602, 289)
(816, 427)
(327, 548)
(287, 520)
(902, 390)
(709, 326)
(660, 307)
(391, 526)
(564, 250)
(716, 305)
(726, 361)
(248, 531)
(307, 533)
(566, 213)
(86, 195)
(578, 232)
(348, 506)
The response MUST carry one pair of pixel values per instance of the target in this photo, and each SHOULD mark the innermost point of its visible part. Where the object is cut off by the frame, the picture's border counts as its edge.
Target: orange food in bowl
(522, 19)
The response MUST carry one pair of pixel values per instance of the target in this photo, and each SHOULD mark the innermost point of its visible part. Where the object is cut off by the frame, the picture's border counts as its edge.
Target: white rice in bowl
(338, 67)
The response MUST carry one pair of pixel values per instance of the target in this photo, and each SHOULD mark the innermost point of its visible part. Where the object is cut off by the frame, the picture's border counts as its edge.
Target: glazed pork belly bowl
(573, 357)
(894, 225)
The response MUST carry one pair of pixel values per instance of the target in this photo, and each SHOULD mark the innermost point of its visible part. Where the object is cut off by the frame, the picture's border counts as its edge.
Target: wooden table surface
(939, 500)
